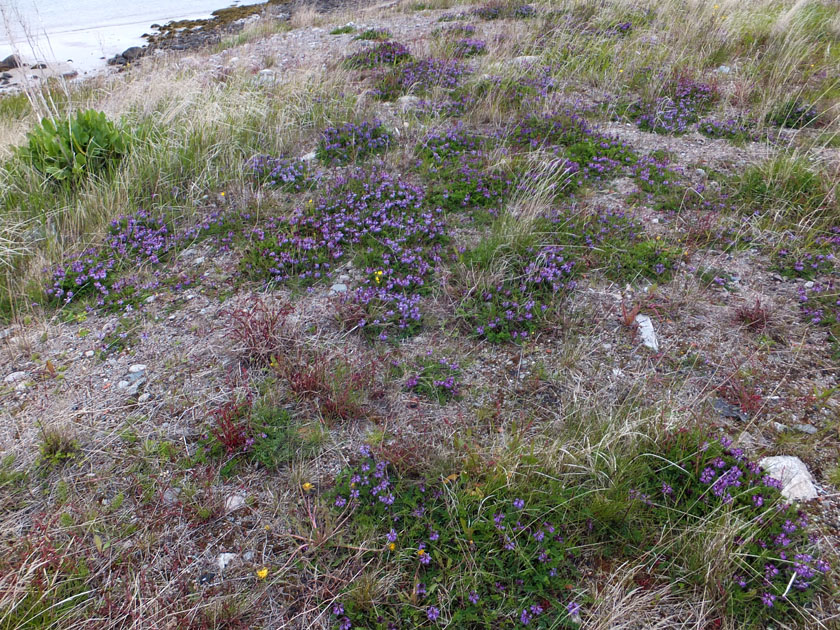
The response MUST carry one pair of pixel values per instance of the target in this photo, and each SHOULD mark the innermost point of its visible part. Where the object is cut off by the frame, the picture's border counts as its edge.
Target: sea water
(87, 32)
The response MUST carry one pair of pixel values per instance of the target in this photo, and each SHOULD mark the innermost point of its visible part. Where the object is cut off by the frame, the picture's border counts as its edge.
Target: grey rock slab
(805, 428)
(797, 482)
(338, 288)
(729, 411)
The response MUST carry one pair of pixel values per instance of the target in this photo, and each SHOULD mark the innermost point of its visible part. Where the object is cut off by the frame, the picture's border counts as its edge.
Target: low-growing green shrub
(67, 150)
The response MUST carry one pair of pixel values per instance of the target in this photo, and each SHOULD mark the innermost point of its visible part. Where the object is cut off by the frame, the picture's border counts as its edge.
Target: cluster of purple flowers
(820, 305)
(456, 29)
(515, 309)
(438, 379)
(357, 212)
(794, 114)
(384, 54)
(533, 550)
(469, 47)
(672, 113)
(655, 174)
(351, 142)
(777, 548)
(455, 162)
(730, 129)
(498, 10)
(809, 260)
(138, 239)
(286, 174)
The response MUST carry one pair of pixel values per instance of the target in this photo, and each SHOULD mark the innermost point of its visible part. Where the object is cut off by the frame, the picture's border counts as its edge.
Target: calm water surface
(87, 31)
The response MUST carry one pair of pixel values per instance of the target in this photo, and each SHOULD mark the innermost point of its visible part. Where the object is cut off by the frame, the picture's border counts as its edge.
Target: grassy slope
(115, 508)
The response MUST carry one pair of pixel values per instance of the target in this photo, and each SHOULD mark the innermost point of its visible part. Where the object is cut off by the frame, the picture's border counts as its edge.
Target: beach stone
(133, 53)
(797, 482)
(71, 74)
(39, 66)
(117, 60)
(10, 63)
(727, 410)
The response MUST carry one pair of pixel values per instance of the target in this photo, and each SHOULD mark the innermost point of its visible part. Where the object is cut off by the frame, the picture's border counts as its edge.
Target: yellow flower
(421, 552)
(267, 527)
(222, 193)
(262, 573)
(392, 546)
(377, 276)
(307, 487)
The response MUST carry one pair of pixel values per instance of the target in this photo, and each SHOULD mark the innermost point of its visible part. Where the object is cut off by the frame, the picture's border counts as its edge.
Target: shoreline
(178, 34)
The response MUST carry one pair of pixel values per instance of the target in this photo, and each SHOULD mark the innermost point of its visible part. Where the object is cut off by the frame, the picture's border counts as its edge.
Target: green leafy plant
(70, 149)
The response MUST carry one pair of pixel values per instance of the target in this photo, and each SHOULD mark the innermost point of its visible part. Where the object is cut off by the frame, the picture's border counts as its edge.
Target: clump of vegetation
(384, 54)
(435, 378)
(70, 149)
(786, 185)
(352, 142)
(374, 34)
(478, 548)
(793, 114)
(289, 175)
(263, 433)
(57, 447)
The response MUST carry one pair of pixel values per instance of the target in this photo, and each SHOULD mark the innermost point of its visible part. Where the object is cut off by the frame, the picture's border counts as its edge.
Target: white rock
(15, 376)
(407, 102)
(525, 60)
(234, 502)
(144, 397)
(338, 288)
(89, 353)
(797, 482)
(646, 332)
(308, 157)
(123, 384)
(137, 367)
(224, 559)
(198, 260)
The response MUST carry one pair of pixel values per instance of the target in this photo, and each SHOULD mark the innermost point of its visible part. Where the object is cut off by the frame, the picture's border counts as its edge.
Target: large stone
(11, 62)
(133, 53)
(797, 482)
